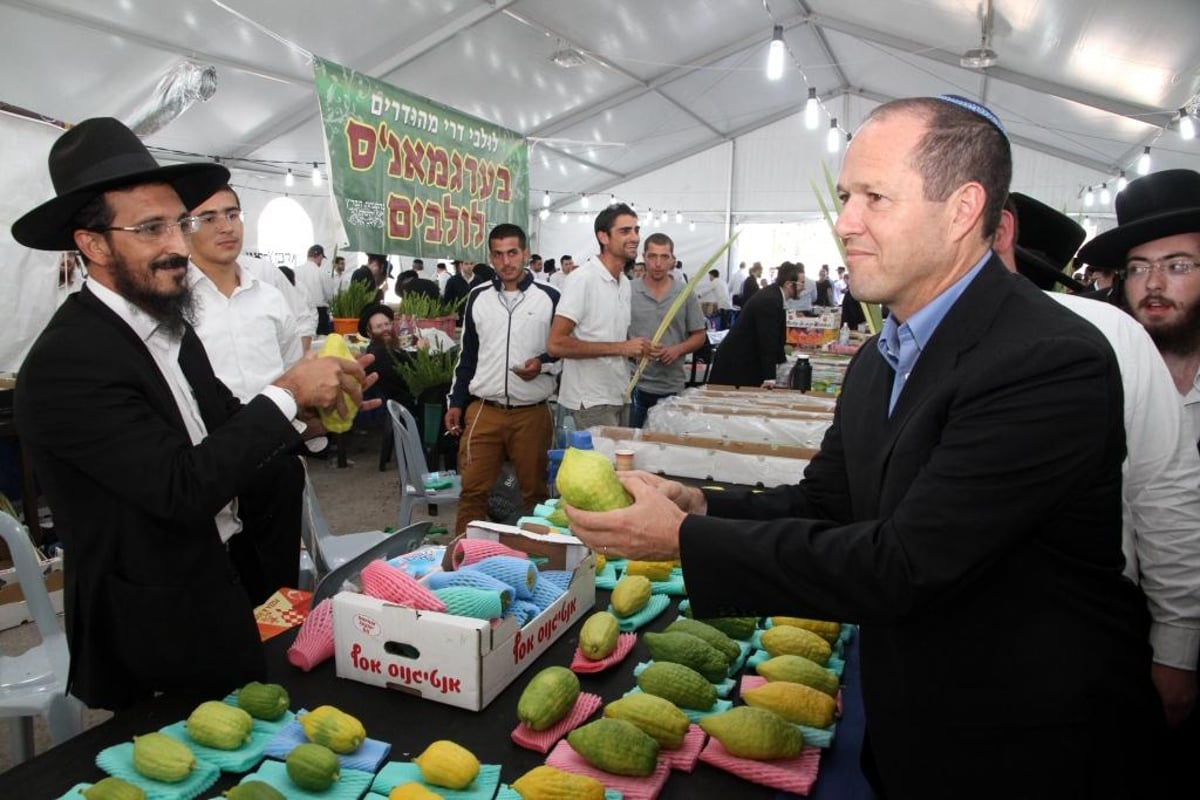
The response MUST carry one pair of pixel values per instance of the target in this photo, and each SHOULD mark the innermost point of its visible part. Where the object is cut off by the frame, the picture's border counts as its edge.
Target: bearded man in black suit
(160, 481)
(965, 506)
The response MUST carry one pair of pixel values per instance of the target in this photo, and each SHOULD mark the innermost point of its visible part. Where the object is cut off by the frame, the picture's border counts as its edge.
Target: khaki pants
(492, 435)
(610, 416)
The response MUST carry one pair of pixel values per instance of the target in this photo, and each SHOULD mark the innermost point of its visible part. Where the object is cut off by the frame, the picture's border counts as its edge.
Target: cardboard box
(706, 459)
(456, 660)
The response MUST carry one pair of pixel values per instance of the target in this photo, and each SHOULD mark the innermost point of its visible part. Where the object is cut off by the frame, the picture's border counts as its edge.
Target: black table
(411, 723)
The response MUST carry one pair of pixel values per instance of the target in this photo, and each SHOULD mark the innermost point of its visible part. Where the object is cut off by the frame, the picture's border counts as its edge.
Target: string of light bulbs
(777, 53)
(316, 177)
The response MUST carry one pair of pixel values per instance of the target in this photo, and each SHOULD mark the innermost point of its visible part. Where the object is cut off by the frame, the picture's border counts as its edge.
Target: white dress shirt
(251, 336)
(297, 300)
(1161, 486)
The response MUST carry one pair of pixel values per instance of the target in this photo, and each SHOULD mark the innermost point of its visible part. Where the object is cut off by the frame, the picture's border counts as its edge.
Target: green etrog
(587, 480)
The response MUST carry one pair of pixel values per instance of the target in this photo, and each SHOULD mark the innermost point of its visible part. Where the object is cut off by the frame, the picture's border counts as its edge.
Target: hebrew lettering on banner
(413, 177)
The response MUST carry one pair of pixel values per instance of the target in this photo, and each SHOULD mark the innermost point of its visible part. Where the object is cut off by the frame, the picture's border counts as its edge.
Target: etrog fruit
(587, 480)
(333, 421)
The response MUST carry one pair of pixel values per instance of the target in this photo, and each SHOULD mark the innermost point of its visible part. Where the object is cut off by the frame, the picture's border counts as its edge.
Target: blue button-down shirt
(902, 343)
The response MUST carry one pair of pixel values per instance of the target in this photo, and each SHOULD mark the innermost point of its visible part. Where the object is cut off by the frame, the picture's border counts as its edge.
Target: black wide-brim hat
(94, 157)
(1046, 241)
(1153, 207)
(364, 319)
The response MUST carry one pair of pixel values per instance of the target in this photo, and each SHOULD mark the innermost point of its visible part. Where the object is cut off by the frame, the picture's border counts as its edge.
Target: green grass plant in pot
(347, 304)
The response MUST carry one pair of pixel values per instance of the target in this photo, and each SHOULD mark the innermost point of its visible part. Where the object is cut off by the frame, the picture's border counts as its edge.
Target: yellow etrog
(334, 422)
(587, 480)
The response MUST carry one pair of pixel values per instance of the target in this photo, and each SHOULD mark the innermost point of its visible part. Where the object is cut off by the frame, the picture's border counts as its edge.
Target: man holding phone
(503, 378)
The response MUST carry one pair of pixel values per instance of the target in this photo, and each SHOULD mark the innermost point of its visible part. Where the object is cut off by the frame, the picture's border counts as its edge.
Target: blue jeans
(640, 403)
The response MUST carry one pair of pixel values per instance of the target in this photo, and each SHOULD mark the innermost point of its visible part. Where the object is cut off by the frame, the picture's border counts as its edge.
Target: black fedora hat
(364, 319)
(1046, 242)
(96, 156)
(1153, 207)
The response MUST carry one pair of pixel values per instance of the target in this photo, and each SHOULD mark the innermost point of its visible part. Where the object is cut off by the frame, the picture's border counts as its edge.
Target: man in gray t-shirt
(651, 298)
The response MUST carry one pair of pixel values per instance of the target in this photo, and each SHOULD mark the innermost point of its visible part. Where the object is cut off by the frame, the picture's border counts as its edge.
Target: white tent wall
(696, 187)
(29, 277)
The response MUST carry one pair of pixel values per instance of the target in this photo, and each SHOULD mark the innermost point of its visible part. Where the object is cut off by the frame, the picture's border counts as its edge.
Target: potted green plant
(428, 376)
(347, 304)
(430, 313)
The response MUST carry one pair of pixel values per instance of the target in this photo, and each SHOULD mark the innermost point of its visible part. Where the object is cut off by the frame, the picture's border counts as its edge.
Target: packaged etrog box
(456, 660)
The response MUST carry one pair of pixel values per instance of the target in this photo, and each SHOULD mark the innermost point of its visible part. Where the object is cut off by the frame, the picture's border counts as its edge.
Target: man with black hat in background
(1155, 250)
(1161, 484)
(140, 450)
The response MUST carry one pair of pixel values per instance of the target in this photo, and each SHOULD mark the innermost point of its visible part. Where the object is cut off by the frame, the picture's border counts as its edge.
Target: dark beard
(173, 312)
(1181, 338)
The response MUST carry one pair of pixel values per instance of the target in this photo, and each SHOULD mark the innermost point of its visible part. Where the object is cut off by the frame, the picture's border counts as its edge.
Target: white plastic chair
(396, 544)
(327, 551)
(35, 682)
(410, 460)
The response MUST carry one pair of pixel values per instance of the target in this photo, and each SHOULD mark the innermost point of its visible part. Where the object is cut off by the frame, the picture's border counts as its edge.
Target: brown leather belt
(510, 406)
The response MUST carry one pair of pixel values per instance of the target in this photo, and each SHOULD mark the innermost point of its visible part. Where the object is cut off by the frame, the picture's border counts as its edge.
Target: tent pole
(729, 207)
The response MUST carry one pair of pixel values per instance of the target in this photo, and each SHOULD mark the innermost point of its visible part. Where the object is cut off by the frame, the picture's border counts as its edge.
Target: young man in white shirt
(591, 325)
(246, 326)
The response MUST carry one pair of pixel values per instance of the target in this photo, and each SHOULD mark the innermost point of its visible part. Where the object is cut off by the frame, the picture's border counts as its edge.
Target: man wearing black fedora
(1161, 475)
(1156, 249)
(140, 450)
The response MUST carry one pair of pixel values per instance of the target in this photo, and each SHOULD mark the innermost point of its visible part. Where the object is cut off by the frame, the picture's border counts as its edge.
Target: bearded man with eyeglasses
(1155, 250)
(142, 453)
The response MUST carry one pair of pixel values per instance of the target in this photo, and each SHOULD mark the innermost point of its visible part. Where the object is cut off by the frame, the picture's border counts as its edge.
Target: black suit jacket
(152, 600)
(975, 535)
(749, 353)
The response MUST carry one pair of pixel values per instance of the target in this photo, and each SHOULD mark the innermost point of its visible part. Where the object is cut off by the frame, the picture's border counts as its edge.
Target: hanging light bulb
(692, 225)
(289, 180)
(316, 175)
(583, 218)
(583, 201)
(1089, 198)
(546, 200)
(544, 214)
(775, 55)
(664, 217)
(1105, 195)
(678, 217)
(612, 199)
(1122, 182)
(1187, 126)
(563, 218)
(811, 110)
(833, 139)
(1143, 166)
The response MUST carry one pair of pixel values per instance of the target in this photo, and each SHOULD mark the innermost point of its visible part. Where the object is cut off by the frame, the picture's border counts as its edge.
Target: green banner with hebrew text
(413, 177)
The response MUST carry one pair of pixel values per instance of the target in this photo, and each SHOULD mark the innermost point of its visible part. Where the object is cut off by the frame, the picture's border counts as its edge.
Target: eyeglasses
(1174, 266)
(233, 215)
(156, 229)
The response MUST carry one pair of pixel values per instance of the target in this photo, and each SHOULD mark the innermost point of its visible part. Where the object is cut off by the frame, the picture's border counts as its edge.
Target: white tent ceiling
(1082, 85)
